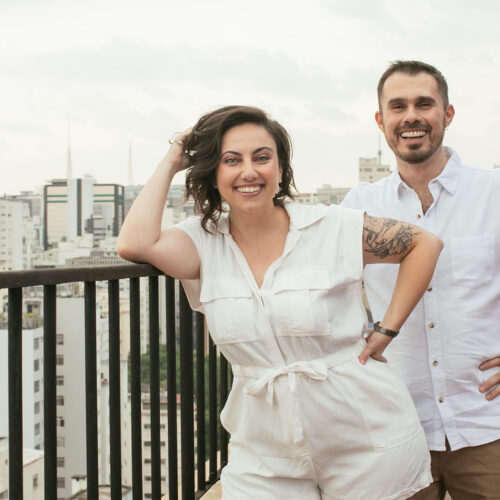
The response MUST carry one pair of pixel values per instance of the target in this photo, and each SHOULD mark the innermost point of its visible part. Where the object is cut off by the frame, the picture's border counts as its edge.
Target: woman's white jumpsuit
(307, 420)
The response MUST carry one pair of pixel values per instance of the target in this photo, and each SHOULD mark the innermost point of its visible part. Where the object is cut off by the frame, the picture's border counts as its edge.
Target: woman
(314, 412)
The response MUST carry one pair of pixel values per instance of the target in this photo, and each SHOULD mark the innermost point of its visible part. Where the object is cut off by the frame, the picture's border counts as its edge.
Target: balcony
(185, 463)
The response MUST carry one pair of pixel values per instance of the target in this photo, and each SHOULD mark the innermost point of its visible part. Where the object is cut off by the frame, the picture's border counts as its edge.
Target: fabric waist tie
(315, 369)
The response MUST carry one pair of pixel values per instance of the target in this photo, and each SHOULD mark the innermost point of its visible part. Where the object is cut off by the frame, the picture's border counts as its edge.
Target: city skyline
(124, 71)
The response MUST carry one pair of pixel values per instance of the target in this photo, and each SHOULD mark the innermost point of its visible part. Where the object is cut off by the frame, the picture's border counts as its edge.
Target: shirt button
(429, 289)
(431, 325)
(434, 363)
(441, 399)
(418, 216)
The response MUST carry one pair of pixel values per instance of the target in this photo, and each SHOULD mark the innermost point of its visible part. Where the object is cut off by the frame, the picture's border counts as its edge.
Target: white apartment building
(329, 195)
(33, 483)
(307, 198)
(71, 394)
(17, 238)
(146, 443)
(32, 387)
(371, 170)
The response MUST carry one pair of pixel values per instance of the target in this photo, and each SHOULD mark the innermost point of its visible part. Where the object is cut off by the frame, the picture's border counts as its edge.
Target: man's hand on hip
(492, 381)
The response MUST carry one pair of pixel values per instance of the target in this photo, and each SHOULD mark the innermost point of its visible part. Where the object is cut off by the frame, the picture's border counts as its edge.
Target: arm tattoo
(386, 237)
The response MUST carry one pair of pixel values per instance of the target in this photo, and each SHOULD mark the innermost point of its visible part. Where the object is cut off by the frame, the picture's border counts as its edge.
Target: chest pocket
(230, 310)
(299, 302)
(472, 260)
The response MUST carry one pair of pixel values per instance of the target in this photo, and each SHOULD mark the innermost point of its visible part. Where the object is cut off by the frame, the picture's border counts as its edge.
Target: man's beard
(418, 155)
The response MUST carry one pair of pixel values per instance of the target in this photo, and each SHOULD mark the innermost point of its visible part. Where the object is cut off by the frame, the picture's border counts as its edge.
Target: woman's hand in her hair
(177, 155)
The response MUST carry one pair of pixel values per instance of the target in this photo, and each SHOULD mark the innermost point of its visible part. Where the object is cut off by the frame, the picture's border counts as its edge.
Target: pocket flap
(224, 287)
(308, 278)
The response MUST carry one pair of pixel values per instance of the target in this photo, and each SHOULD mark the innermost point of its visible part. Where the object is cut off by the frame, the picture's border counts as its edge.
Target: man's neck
(417, 176)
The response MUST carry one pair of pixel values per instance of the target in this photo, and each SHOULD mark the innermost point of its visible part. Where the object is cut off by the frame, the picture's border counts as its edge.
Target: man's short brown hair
(414, 68)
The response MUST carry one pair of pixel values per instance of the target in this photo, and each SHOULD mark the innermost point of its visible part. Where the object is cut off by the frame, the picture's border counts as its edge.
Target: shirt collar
(448, 178)
(300, 216)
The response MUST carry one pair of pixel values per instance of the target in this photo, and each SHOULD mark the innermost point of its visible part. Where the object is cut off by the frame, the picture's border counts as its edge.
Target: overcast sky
(123, 71)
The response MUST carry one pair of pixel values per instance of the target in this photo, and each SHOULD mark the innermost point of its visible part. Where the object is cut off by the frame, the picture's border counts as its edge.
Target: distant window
(37, 385)
(36, 365)
(60, 461)
(59, 359)
(60, 400)
(35, 481)
(147, 443)
(37, 429)
(60, 339)
(37, 407)
(147, 478)
(61, 483)
(36, 343)
(147, 460)
(60, 441)
(59, 380)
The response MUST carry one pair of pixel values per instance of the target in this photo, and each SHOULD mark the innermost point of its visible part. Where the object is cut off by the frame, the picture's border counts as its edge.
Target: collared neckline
(448, 178)
(300, 216)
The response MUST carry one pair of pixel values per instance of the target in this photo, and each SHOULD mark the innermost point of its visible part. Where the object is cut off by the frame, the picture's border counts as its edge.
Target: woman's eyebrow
(253, 152)
(231, 152)
(258, 150)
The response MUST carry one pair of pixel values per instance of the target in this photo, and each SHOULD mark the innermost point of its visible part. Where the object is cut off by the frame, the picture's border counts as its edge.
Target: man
(448, 352)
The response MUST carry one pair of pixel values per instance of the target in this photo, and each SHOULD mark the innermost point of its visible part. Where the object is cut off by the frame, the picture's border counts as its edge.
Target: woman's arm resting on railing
(141, 238)
(417, 252)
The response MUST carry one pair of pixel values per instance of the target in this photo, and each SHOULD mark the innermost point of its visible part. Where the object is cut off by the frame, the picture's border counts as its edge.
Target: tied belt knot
(315, 369)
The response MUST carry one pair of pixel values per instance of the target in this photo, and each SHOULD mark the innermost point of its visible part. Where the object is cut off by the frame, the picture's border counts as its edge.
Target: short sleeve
(192, 227)
(351, 199)
(351, 232)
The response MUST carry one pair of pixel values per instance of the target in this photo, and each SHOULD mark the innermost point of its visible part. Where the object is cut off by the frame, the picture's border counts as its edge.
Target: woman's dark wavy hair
(204, 148)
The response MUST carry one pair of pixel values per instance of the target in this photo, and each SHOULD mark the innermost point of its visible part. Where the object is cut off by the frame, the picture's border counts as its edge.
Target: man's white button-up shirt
(456, 325)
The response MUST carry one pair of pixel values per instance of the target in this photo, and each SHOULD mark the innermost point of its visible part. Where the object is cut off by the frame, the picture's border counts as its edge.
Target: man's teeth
(413, 133)
(248, 189)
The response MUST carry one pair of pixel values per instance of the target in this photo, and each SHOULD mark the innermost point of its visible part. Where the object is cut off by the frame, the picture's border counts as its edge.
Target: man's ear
(449, 114)
(379, 120)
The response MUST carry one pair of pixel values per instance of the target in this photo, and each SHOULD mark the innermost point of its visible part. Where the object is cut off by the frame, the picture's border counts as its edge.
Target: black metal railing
(189, 343)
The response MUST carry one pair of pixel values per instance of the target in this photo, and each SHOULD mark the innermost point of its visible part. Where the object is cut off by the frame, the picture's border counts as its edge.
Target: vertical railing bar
(154, 379)
(135, 387)
(91, 389)
(200, 400)
(212, 409)
(49, 391)
(171, 388)
(114, 389)
(224, 436)
(15, 312)
(187, 421)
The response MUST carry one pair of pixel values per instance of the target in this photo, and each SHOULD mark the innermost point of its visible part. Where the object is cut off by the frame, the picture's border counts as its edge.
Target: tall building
(70, 204)
(17, 235)
(371, 169)
(32, 386)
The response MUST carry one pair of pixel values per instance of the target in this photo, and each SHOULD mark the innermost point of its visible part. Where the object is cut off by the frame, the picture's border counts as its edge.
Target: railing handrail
(59, 275)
